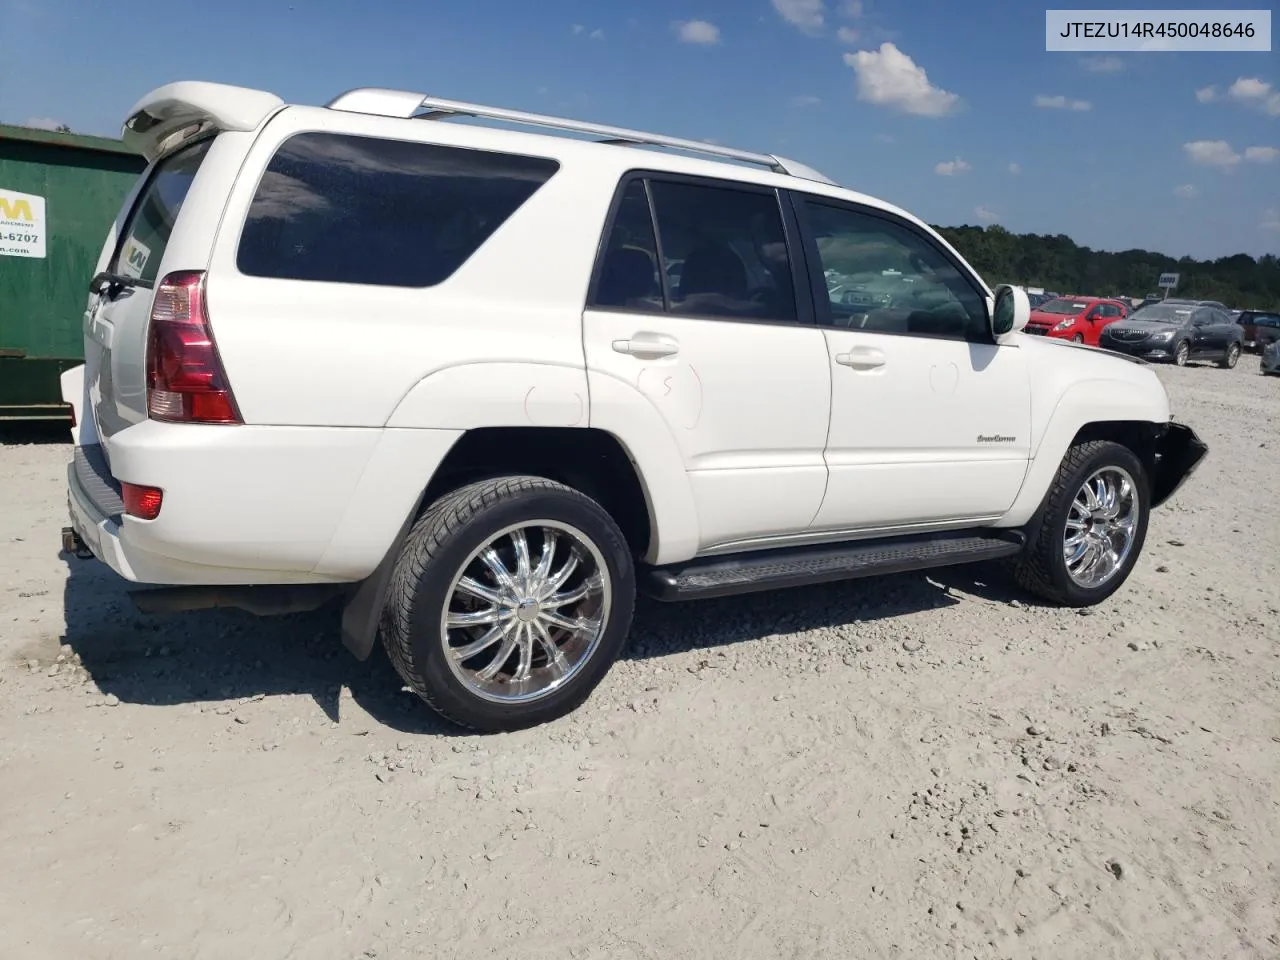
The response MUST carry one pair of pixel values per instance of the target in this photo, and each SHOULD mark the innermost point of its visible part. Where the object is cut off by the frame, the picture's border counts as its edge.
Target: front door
(701, 322)
(930, 419)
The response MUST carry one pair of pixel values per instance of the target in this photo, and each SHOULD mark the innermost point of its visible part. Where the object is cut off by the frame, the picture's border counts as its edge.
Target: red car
(1080, 319)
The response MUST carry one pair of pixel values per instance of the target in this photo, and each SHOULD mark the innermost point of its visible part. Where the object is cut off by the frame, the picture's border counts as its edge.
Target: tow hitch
(71, 543)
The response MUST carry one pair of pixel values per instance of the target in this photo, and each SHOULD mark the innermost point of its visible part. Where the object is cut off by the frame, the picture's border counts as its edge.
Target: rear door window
(349, 209)
(150, 223)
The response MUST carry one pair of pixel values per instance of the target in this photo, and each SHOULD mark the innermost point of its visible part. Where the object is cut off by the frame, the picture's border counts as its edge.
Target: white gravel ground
(910, 767)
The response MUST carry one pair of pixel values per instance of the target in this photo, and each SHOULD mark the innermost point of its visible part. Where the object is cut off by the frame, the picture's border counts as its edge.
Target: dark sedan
(1176, 332)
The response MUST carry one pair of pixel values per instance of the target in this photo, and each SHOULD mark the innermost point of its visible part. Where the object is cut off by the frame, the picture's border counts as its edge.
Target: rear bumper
(1178, 453)
(253, 504)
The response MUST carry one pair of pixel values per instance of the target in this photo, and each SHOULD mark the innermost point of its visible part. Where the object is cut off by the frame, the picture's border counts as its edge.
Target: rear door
(116, 320)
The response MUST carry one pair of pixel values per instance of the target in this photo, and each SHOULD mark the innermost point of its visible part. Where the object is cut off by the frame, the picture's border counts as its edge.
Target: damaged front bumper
(1178, 452)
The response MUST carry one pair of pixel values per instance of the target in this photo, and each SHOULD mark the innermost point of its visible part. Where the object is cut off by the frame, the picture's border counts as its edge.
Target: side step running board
(725, 576)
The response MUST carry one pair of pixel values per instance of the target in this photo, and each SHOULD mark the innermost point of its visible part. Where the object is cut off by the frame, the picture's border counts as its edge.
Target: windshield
(1063, 306)
(151, 221)
(1164, 313)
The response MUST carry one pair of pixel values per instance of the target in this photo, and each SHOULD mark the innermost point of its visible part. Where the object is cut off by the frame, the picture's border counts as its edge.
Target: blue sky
(951, 110)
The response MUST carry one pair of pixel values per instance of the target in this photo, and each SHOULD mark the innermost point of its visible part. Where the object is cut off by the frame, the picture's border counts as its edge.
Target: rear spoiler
(168, 113)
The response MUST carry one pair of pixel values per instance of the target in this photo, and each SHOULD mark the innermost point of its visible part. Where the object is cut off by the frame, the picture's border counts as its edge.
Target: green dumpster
(59, 193)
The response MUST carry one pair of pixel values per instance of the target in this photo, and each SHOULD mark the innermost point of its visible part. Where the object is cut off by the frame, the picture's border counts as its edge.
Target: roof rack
(405, 104)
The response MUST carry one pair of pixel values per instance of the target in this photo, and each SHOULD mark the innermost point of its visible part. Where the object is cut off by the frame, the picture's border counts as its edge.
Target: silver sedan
(1271, 359)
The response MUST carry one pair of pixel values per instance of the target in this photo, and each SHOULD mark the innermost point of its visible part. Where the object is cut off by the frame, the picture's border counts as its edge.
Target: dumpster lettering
(22, 224)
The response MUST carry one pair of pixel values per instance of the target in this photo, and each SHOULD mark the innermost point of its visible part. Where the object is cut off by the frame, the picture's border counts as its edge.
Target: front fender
(1096, 400)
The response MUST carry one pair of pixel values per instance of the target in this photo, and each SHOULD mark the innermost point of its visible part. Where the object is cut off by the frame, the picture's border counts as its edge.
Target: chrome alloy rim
(1101, 526)
(526, 611)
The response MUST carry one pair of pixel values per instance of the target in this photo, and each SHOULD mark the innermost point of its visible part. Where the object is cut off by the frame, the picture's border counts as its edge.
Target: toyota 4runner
(480, 384)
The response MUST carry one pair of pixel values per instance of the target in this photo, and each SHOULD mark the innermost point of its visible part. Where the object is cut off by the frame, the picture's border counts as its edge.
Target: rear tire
(1056, 568)
(533, 578)
(1231, 357)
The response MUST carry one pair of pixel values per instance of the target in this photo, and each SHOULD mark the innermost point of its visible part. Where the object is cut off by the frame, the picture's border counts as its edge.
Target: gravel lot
(917, 766)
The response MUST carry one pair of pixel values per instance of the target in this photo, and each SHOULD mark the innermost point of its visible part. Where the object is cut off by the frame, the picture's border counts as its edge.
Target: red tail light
(141, 502)
(185, 379)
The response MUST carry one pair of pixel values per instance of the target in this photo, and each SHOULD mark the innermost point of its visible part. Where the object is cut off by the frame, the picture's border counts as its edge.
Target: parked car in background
(1035, 299)
(1079, 319)
(1177, 331)
(1259, 327)
(1270, 362)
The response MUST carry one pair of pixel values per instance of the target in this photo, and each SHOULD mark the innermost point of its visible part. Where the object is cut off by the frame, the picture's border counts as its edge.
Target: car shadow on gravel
(215, 656)
(660, 629)
(227, 655)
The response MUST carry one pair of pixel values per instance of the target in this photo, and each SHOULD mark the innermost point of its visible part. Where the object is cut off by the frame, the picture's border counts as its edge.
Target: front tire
(1078, 338)
(510, 601)
(1231, 357)
(1182, 353)
(1092, 526)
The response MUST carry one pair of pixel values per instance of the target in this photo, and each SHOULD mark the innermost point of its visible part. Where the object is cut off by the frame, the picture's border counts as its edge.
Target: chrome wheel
(1102, 523)
(526, 611)
(1233, 355)
(1182, 354)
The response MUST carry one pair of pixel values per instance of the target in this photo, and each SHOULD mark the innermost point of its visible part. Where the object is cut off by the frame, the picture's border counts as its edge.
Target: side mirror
(1012, 310)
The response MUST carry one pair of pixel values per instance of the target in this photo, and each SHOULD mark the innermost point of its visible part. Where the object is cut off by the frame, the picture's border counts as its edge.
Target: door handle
(861, 358)
(647, 346)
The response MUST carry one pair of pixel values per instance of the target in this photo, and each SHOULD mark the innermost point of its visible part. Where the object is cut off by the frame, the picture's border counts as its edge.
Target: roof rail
(402, 103)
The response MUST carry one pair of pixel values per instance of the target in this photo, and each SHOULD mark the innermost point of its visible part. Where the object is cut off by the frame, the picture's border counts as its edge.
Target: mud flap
(363, 610)
(1178, 453)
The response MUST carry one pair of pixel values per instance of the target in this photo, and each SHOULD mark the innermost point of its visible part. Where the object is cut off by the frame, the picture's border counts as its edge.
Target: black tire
(437, 550)
(1182, 353)
(1042, 569)
(1078, 338)
(1231, 357)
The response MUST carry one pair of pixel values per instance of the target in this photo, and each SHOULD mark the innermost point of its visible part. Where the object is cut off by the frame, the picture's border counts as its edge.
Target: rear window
(346, 209)
(150, 224)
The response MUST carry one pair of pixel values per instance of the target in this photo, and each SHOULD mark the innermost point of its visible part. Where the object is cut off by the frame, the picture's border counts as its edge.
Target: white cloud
(950, 168)
(805, 100)
(1061, 103)
(982, 213)
(890, 78)
(1207, 94)
(1187, 191)
(884, 138)
(597, 34)
(847, 35)
(696, 31)
(1015, 168)
(808, 16)
(43, 123)
(1211, 153)
(1261, 154)
(1270, 220)
(578, 28)
(1102, 64)
(851, 9)
(1256, 93)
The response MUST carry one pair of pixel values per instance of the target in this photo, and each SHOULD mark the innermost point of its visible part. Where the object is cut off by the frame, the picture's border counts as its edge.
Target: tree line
(1057, 263)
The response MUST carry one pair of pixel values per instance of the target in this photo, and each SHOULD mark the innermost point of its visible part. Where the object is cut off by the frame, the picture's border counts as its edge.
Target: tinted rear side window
(150, 225)
(346, 209)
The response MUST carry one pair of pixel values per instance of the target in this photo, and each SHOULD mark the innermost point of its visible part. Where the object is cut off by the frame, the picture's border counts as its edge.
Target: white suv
(482, 383)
